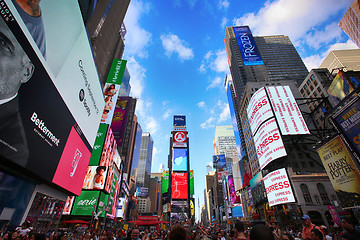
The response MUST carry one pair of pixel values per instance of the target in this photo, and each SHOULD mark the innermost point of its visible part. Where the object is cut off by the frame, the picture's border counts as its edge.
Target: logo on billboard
(179, 121)
(180, 139)
(75, 161)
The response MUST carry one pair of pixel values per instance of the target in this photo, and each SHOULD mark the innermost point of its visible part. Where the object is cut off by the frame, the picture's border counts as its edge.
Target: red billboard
(179, 186)
(180, 139)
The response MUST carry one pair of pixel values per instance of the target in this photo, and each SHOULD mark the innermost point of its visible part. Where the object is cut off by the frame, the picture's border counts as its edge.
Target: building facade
(348, 59)
(145, 160)
(350, 23)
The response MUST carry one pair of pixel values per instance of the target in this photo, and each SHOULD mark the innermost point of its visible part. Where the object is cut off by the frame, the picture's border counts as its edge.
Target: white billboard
(258, 110)
(268, 143)
(287, 112)
(278, 188)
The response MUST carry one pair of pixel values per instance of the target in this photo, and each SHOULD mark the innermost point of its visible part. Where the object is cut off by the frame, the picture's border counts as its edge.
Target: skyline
(177, 61)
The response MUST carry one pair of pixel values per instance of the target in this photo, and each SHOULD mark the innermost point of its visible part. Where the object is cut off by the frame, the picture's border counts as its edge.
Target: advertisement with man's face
(53, 99)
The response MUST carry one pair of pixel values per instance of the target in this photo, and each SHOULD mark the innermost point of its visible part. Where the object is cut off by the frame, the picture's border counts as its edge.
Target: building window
(317, 200)
(303, 164)
(311, 87)
(315, 83)
(312, 77)
(306, 193)
(308, 82)
(323, 194)
(295, 165)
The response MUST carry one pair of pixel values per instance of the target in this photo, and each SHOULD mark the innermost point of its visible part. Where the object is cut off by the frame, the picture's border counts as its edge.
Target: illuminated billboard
(179, 186)
(258, 192)
(121, 206)
(180, 139)
(86, 203)
(278, 187)
(165, 182)
(105, 147)
(59, 104)
(179, 121)
(120, 119)
(95, 177)
(192, 187)
(258, 110)
(232, 192)
(287, 112)
(249, 52)
(342, 171)
(219, 162)
(142, 192)
(268, 143)
(68, 205)
(179, 159)
(340, 87)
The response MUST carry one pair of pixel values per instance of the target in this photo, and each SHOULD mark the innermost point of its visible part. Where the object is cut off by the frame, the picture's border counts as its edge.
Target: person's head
(135, 233)
(274, 225)
(239, 227)
(306, 220)
(348, 224)
(15, 66)
(316, 234)
(178, 233)
(287, 236)
(37, 236)
(100, 170)
(261, 232)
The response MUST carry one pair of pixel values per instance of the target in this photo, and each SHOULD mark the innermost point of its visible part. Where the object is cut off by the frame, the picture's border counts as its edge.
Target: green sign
(98, 145)
(103, 201)
(86, 203)
(116, 72)
(165, 182)
(192, 189)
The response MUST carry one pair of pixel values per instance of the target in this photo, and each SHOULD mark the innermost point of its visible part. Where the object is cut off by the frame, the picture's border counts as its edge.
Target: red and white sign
(268, 143)
(287, 112)
(259, 109)
(180, 139)
(278, 188)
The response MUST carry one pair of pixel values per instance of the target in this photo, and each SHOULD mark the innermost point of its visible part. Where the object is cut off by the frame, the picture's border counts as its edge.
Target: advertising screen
(237, 211)
(342, 171)
(219, 162)
(113, 196)
(68, 205)
(179, 159)
(268, 143)
(179, 139)
(95, 177)
(98, 145)
(192, 186)
(120, 211)
(179, 121)
(165, 182)
(56, 102)
(102, 203)
(249, 52)
(103, 155)
(278, 188)
(287, 112)
(109, 180)
(348, 122)
(340, 87)
(120, 119)
(258, 192)
(232, 192)
(258, 110)
(179, 185)
(142, 192)
(86, 203)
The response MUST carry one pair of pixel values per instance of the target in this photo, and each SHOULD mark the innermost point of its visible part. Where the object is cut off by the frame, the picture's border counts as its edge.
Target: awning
(77, 222)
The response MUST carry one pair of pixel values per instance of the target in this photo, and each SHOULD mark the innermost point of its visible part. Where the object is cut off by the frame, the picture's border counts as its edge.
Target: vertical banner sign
(165, 182)
(287, 112)
(278, 188)
(233, 197)
(120, 119)
(192, 188)
(249, 52)
(348, 122)
(99, 144)
(342, 171)
(334, 215)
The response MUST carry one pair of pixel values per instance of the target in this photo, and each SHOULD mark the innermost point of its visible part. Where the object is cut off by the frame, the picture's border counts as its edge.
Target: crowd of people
(178, 232)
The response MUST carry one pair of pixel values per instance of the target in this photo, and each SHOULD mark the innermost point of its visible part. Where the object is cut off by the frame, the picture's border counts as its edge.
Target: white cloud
(342, 46)
(316, 39)
(225, 113)
(201, 104)
(220, 64)
(136, 39)
(224, 4)
(173, 44)
(151, 125)
(293, 18)
(166, 102)
(208, 123)
(224, 22)
(217, 82)
(167, 114)
(205, 62)
(313, 61)
(137, 73)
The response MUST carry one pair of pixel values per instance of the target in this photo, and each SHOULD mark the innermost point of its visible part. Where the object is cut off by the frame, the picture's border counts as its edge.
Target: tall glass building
(145, 161)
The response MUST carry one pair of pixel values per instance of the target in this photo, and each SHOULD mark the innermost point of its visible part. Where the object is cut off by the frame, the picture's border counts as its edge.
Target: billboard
(278, 188)
(114, 194)
(237, 211)
(258, 110)
(232, 192)
(249, 52)
(165, 182)
(105, 147)
(86, 203)
(95, 177)
(179, 121)
(219, 162)
(142, 192)
(180, 139)
(179, 159)
(258, 192)
(342, 171)
(68, 205)
(287, 112)
(121, 206)
(192, 186)
(55, 100)
(268, 143)
(120, 119)
(179, 186)
(340, 87)
(348, 122)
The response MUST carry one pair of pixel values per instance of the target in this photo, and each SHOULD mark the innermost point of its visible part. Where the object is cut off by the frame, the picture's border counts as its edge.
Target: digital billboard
(105, 147)
(192, 186)
(142, 192)
(120, 119)
(342, 171)
(278, 187)
(95, 177)
(232, 192)
(121, 206)
(179, 186)
(180, 139)
(219, 163)
(179, 121)
(55, 102)
(347, 120)
(268, 143)
(179, 159)
(113, 195)
(258, 192)
(249, 52)
(287, 112)
(86, 203)
(68, 205)
(340, 87)
(165, 182)
(258, 110)
(237, 211)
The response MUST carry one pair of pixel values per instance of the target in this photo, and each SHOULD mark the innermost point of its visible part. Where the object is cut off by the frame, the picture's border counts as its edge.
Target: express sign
(180, 139)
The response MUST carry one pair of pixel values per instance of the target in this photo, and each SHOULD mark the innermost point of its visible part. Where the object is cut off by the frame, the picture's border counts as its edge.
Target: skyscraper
(349, 59)
(350, 23)
(145, 160)
(224, 142)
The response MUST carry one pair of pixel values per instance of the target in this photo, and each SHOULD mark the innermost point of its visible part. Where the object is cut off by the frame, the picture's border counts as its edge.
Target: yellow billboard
(342, 171)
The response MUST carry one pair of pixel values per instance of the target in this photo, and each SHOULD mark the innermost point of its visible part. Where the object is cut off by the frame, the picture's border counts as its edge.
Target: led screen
(232, 192)
(142, 192)
(179, 186)
(179, 121)
(179, 139)
(68, 205)
(165, 182)
(192, 186)
(95, 177)
(179, 159)
(278, 187)
(219, 163)
(86, 203)
(120, 119)
(237, 211)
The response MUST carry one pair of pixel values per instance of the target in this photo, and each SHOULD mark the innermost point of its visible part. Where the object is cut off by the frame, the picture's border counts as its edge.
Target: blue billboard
(179, 159)
(142, 192)
(219, 163)
(179, 121)
(249, 52)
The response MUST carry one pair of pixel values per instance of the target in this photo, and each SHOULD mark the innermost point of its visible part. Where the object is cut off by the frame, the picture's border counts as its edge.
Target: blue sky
(177, 60)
